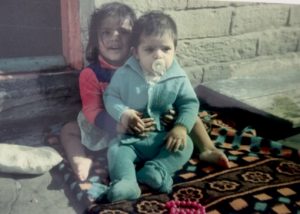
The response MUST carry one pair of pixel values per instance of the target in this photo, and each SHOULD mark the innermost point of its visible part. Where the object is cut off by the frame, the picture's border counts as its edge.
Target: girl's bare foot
(215, 156)
(81, 167)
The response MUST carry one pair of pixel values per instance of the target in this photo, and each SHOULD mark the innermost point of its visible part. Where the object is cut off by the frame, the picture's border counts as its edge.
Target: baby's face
(155, 53)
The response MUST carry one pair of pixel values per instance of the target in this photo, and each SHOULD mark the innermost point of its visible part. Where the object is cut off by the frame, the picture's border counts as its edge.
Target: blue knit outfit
(129, 89)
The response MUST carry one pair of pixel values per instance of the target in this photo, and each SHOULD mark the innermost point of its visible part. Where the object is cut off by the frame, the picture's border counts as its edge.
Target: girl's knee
(189, 147)
(70, 128)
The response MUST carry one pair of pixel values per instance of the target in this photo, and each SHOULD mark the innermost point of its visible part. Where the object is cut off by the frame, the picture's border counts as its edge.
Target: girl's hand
(168, 118)
(149, 126)
(176, 138)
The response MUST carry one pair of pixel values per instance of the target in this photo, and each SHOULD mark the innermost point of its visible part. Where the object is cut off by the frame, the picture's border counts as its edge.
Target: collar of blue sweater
(174, 71)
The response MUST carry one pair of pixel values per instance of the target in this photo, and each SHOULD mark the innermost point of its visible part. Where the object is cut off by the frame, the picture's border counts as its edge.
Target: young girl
(107, 49)
(151, 82)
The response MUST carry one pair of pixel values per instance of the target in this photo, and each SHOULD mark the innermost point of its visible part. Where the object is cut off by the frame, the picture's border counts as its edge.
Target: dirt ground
(36, 194)
(24, 194)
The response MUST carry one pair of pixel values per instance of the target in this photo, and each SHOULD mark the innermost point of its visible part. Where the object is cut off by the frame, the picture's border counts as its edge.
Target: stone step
(278, 95)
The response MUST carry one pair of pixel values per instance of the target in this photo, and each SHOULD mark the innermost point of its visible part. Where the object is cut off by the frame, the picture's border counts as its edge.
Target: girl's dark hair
(153, 23)
(106, 10)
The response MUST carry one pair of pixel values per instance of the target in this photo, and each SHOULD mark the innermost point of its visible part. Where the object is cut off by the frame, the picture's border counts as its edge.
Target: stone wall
(221, 40)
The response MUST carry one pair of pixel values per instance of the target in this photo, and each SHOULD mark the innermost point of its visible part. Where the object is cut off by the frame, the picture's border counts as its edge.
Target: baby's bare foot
(81, 167)
(216, 157)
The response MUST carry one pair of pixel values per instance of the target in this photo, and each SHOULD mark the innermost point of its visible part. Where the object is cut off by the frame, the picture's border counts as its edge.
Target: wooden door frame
(71, 33)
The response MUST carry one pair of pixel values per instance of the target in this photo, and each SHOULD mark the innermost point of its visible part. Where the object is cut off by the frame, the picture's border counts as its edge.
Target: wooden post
(71, 39)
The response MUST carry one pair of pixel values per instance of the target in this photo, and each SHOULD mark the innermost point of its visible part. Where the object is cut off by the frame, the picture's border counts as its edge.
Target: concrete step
(276, 94)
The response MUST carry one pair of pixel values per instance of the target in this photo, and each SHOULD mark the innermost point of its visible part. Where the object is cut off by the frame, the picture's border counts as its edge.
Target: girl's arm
(113, 99)
(91, 93)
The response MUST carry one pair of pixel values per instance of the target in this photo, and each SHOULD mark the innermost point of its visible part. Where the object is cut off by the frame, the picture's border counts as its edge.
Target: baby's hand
(131, 120)
(149, 124)
(176, 138)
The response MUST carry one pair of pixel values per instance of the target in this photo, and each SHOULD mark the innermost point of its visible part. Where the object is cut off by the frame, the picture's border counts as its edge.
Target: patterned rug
(264, 178)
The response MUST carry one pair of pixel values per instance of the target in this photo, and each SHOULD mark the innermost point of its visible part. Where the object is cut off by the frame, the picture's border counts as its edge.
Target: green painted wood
(29, 64)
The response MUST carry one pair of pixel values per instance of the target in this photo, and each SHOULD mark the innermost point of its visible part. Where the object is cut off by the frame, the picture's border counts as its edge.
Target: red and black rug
(264, 178)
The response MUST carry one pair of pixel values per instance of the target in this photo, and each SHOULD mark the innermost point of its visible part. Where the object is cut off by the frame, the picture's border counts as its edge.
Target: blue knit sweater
(129, 89)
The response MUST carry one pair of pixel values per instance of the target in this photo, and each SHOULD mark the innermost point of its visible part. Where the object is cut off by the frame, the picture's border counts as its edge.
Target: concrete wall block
(278, 41)
(207, 51)
(295, 15)
(145, 5)
(202, 23)
(192, 4)
(85, 9)
(217, 72)
(195, 74)
(267, 66)
(241, 4)
(259, 17)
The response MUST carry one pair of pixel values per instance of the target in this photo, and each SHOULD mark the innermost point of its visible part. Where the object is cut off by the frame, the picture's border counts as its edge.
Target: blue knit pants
(159, 165)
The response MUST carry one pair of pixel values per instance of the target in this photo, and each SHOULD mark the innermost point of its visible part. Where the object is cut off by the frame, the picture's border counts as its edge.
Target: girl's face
(155, 47)
(113, 40)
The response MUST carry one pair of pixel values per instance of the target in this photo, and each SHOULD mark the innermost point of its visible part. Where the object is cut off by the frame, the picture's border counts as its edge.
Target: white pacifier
(159, 67)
